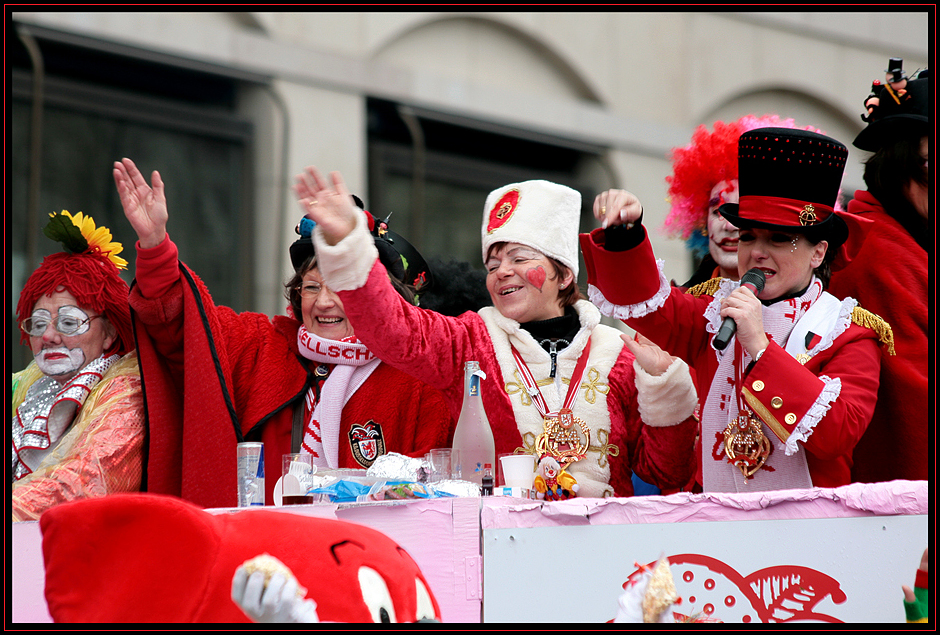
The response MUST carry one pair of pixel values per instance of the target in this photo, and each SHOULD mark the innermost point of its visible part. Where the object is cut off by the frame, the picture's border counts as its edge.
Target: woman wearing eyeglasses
(78, 424)
(299, 383)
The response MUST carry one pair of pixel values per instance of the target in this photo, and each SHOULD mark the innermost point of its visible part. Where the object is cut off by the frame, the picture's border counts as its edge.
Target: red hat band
(782, 211)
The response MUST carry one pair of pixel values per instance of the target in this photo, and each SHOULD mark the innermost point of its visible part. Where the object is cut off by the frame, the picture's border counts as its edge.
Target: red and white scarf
(353, 365)
(721, 405)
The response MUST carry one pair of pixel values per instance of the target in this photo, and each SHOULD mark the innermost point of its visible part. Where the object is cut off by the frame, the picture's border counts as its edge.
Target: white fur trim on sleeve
(830, 392)
(346, 265)
(667, 399)
(638, 310)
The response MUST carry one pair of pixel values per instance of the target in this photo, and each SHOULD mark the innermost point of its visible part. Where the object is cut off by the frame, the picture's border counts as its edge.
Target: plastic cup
(518, 470)
(296, 470)
(441, 464)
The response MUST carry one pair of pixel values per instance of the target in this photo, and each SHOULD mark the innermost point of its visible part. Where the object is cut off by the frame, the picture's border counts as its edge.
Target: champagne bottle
(473, 437)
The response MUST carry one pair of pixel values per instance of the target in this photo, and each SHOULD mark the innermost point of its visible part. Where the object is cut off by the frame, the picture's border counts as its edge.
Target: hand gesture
(744, 308)
(651, 358)
(144, 206)
(617, 207)
(329, 206)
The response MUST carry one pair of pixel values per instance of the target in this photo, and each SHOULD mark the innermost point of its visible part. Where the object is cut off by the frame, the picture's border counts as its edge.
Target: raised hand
(654, 360)
(617, 207)
(144, 206)
(330, 206)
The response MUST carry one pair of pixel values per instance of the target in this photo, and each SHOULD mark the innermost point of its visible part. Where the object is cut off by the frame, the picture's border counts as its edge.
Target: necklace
(564, 436)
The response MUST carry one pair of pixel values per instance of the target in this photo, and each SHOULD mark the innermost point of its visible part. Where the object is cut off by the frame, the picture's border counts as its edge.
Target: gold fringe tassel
(709, 287)
(874, 322)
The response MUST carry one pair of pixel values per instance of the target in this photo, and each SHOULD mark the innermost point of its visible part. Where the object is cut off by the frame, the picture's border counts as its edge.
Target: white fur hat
(539, 214)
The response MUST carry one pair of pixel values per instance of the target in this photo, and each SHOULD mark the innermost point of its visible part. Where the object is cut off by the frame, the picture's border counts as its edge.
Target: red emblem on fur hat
(502, 211)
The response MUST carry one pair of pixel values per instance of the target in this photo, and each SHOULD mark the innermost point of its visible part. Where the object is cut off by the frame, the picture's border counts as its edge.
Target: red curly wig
(95, 283)
(711, 157)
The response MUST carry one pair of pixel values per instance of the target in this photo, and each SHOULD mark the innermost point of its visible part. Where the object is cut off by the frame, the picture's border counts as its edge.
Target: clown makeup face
(523, 284)
(549, 468)
(722, 235)
(63, 356)
(787, 260)
(323, 312)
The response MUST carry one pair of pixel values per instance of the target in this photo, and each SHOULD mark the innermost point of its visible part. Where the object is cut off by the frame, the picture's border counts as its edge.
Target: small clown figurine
(553, 482)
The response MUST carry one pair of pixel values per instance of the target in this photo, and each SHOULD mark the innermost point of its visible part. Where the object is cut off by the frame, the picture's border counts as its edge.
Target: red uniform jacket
(678, 326)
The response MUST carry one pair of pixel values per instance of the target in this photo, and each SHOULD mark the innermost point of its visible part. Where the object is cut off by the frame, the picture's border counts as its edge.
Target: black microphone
(754, 280)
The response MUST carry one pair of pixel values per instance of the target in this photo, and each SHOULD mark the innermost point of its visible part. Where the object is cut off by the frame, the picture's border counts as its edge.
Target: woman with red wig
(705, 177)
(78, 418)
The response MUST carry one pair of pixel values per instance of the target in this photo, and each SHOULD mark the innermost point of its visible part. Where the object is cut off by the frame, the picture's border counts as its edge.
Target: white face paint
(63, 356)
(60, 360)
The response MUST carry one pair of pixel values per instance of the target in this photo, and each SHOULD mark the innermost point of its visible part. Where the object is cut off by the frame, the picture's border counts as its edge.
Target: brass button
(776, 402)
(757, 386)
(790, 418)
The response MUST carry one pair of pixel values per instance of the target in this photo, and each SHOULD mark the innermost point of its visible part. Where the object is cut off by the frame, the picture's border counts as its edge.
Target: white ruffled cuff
(830, 392)
(345, 266)
(638, 310)
(667, 399)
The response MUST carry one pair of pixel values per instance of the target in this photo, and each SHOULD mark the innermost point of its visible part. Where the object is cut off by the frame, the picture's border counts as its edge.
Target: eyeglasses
(310, 289)
(64, 324)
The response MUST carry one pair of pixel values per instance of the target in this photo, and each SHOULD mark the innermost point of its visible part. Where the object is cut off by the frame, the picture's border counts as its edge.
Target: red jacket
(678, 326)
(889, 277)
(434, 347)
(213, 377)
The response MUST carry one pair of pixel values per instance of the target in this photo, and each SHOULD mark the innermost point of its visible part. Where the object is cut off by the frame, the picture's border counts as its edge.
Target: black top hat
(897, 116)
(895, 65)
(399, 257)
(788, 180)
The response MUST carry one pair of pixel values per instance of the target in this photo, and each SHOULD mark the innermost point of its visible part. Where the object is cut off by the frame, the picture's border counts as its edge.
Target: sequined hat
(788, 180)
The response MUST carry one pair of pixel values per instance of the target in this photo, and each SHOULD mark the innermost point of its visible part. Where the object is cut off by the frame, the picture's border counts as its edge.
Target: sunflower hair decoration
(78, 235)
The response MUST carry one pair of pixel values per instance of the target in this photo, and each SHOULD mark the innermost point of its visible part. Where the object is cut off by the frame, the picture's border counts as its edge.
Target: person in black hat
(298, 383)
(890, 276)
(784, 402)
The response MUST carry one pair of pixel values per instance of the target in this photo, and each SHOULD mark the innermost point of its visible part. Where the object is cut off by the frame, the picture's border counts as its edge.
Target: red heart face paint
(536, 277)
(522, 283)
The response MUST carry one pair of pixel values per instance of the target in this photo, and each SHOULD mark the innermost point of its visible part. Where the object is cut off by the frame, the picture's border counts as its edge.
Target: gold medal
(746, 446)
(565, 437)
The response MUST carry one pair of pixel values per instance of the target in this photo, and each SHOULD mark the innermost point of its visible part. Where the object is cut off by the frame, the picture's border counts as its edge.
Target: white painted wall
(638, 82)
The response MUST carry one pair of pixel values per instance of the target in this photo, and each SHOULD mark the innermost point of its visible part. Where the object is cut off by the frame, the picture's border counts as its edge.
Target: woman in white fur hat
(538, 332)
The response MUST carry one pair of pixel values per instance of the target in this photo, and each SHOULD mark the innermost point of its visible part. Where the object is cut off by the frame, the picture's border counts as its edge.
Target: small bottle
(487, 484)
(473, 438)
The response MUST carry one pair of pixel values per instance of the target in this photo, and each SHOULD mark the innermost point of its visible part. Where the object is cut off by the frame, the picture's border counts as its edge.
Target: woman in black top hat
(784, 402)
(890, 275)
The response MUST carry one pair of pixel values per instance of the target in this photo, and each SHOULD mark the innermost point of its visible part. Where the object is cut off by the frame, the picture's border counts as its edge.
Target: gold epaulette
(709, 287)
(871, 321)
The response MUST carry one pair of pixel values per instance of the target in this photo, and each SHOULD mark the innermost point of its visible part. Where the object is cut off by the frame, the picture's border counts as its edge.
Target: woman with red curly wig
(78, 412)
(704, 177)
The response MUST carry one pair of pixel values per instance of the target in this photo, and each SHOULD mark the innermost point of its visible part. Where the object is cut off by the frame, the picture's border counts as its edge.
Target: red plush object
(150, 558)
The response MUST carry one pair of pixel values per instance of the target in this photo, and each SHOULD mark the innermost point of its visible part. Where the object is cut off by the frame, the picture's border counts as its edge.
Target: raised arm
(144, 205)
